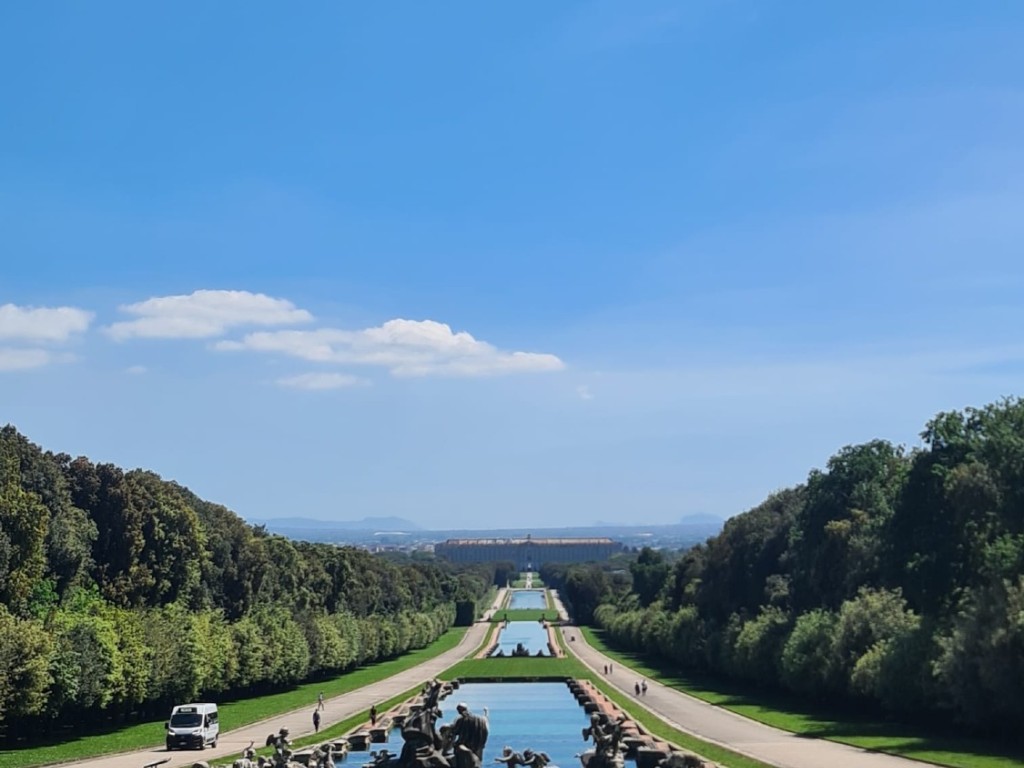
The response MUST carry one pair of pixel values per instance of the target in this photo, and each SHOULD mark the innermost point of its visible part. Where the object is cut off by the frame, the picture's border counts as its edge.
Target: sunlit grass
(525, 614)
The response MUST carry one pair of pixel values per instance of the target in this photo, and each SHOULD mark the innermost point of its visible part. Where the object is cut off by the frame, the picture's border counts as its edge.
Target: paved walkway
(727, 729)
(300, 722)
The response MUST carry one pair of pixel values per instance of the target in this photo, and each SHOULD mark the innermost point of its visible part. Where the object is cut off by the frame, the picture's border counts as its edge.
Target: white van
(193, 726)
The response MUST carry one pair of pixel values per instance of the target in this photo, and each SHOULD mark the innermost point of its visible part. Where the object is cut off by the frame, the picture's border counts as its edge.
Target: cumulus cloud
(23, 359)
(405, 347)
(321, 381)
(42, 323)
(204, 314)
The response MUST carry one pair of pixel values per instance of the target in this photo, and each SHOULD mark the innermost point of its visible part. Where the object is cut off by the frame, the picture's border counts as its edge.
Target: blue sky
(481, 264)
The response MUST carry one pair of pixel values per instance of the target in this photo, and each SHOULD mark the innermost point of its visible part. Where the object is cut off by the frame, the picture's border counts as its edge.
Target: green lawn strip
(525, 614)
(532, 668)
(233, 714)
(803, 717)
(522, 667)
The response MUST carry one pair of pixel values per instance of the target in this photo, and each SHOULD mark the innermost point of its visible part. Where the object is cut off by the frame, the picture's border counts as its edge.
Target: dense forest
(891, 580)
(121, 593)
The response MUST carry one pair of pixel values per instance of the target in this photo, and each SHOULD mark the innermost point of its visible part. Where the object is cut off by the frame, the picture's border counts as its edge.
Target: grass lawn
(525, 614)
(800, 716)
(233, 714)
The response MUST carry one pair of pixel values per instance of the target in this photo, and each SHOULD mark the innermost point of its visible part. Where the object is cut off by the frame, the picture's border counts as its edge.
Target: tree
(650, 572)
(24, 523)
(24, 671)
(808, 663)
(839, 534)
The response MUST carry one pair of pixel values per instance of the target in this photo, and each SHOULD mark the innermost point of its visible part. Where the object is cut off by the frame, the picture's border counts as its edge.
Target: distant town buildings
(528, 553)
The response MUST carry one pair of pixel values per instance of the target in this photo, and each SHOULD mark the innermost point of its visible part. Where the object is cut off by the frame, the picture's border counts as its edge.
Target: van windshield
(186, 720)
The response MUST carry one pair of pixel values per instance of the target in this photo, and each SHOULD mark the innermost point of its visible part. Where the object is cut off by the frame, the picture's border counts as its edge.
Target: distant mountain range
(392, 530)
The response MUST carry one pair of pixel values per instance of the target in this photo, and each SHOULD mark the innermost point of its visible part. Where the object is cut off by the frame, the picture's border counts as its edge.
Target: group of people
(640, 687)
(609, 668)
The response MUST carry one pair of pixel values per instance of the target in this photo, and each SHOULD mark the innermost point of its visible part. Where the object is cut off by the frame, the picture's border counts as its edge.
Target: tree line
(122, 593)
(893, 580)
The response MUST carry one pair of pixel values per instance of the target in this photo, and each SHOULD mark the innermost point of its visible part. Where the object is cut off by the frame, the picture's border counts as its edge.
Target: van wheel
(214, 744)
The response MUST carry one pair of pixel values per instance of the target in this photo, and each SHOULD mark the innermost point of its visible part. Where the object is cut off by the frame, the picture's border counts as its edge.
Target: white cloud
(42, 323)
(320, 381)
(405, 347)
(136, 370)
(204, 314)
(23, 359)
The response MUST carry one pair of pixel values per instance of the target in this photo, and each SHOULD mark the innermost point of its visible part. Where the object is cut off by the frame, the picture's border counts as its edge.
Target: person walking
(643, 688)
(316, 720)
(320, 700)
(373, 715)
(636, 687)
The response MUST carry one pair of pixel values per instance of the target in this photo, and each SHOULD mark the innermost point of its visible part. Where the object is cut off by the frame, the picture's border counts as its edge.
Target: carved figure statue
(607, 736)
(323, 756)
(282, 748)
(527, 758)
(248, 758)
(423, 744)
(469, 737)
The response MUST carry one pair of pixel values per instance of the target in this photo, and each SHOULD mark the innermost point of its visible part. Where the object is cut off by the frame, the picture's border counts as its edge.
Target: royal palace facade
(528, 553)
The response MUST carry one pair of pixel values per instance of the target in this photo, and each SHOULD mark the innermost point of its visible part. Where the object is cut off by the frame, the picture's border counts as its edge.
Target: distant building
(529, 553)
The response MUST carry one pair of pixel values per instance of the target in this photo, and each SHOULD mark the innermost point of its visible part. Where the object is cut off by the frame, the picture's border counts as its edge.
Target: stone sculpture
(469, 737)
(607, 736)
(527, 758)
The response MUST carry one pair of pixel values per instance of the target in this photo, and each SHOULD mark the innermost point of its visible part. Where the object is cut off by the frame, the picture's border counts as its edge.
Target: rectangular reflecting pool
(531, 634)
(526, 599)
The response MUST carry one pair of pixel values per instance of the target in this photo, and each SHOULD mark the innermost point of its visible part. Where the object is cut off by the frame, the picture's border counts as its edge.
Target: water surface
(531, 634)
(526, 599)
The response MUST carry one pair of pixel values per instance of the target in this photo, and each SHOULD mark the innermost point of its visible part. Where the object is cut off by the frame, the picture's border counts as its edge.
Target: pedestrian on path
(636, 687)
(643, 688)
(606, 669)
(611, 668)
(373, 715)
(316, 720)
(320, 700)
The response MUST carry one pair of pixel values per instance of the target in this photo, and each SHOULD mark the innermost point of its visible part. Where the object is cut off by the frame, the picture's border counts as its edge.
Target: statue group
(459, 744)
(607, 751)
